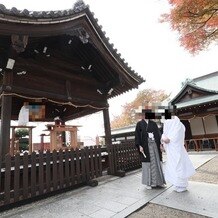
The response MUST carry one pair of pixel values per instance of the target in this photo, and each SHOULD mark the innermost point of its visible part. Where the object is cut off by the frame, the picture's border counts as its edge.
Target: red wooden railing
(200, 144)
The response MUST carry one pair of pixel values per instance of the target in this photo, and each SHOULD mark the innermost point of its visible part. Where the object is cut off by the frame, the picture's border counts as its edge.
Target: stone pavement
(119, 197)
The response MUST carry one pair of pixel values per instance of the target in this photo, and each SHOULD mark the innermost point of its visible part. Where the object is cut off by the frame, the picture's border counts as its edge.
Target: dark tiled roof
(78, 6)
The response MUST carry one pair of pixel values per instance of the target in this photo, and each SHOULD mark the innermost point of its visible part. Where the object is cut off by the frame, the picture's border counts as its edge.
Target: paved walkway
(119, 197)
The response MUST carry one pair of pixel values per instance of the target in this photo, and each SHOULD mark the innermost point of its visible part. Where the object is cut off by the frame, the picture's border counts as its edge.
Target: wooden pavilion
(61, 61)
(197, 107)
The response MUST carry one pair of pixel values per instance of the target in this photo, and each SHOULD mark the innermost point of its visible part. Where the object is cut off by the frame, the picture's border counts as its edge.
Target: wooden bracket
(19, 42)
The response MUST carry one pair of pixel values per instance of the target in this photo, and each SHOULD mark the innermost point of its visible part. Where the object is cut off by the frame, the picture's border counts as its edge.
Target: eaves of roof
(125, 129)
(198, 101)
(51, 17)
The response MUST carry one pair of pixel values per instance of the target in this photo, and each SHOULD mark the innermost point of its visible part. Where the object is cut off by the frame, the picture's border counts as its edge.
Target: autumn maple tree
(143, 98)
(196, 21)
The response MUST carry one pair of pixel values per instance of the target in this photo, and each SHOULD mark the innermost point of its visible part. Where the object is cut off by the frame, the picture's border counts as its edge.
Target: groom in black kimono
(147, 140)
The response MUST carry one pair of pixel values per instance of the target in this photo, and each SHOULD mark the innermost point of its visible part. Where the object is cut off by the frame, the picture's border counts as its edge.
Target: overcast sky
(151, 48)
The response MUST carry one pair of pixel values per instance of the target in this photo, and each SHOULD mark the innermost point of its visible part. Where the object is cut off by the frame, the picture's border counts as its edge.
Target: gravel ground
(206, 173)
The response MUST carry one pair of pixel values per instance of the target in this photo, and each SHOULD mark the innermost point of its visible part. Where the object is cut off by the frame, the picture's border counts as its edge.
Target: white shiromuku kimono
(178, 165)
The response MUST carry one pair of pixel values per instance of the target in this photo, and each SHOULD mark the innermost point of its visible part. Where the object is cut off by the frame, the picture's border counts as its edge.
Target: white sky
(151, 48)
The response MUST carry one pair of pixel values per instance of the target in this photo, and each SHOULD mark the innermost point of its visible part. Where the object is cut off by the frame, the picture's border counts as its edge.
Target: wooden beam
(54, 96)
(81, 113)
(46, 68)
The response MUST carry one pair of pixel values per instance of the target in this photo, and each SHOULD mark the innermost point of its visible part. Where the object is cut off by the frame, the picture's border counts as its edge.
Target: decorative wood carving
(81, 33)
(19, 42)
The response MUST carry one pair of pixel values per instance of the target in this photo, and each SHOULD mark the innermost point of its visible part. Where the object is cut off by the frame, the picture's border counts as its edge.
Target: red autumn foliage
(196, 21)
(128, 113)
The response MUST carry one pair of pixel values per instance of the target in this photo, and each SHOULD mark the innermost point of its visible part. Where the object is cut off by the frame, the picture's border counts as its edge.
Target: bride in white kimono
(178, 165)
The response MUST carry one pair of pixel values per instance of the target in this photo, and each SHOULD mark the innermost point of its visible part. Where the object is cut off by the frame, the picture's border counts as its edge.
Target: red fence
(28, 176)
(200, 144)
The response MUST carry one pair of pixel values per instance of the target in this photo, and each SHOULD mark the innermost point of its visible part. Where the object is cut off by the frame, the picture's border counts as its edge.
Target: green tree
(20, 134)
(143, 98)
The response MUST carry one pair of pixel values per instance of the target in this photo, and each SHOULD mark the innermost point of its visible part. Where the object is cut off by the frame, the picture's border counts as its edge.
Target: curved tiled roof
(78, 6)
(50, 17)
(193, 85)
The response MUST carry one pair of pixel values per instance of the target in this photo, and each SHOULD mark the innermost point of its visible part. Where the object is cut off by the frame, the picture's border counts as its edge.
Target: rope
(50, 100)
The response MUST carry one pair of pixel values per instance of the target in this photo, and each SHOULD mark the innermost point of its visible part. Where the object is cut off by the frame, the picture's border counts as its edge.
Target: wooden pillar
(97, 142)
(30, 141)
(205, 133)
(53, 140)
(13, 143)
(18, 45)
(73, 139)
(6, 102)
(42, 142)
(63, 136)
(108, 142)
(107, 127)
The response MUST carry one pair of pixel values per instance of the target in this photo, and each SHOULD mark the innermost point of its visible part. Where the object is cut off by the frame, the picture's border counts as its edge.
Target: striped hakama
(152, 173)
